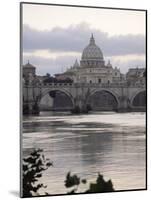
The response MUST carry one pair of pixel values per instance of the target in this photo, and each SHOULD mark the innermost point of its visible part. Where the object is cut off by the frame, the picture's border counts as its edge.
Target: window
(99, 80)
(90, 81)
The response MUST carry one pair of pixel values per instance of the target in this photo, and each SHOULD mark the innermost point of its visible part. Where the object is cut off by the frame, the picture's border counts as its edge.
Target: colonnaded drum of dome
(84, 125)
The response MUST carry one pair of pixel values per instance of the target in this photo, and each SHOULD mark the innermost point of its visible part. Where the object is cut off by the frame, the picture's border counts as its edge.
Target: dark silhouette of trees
(73, 181)
(100, 186)
(48, 75)
(33, 166)
(51, 79)
(144, 74)
(36, 163)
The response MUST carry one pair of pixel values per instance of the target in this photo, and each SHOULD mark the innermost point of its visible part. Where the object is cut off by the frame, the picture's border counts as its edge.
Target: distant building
(91, 69)
(136, 75)
(29, 70)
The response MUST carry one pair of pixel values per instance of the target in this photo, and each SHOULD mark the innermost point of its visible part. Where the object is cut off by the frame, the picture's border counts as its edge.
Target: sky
(55, 36)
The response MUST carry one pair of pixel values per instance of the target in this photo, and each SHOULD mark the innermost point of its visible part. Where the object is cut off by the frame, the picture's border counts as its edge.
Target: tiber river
(106, 142)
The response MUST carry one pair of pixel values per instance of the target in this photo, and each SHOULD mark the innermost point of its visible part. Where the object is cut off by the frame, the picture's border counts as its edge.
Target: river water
(106, 142)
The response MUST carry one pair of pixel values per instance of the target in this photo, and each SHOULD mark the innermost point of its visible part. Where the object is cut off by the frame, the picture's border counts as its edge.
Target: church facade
(90, 73)
(92, 67)
(91, 70)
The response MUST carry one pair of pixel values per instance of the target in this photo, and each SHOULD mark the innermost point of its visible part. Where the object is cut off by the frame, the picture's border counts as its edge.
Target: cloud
(75, 37)
(61, 63)
(127, 61)
(125, 65)
(54, 50)
(50, 65)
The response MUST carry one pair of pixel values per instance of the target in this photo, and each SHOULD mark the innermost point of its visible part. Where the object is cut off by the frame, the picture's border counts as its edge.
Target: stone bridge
(79, 93)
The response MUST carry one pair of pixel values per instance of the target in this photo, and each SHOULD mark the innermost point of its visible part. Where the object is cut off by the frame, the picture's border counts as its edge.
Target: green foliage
(33, 166)
(100, 186)
(36, 163)
(84, 181)
(144, 74)
(71, 180)
(48, 75)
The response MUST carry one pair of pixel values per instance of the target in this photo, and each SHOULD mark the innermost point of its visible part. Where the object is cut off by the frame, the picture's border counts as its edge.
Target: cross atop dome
(92, 40)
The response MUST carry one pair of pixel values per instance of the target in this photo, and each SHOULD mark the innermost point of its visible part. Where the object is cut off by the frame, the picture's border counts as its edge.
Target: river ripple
(106, 142)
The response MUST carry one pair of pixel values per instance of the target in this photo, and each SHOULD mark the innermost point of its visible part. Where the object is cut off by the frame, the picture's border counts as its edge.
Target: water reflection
(110, 143)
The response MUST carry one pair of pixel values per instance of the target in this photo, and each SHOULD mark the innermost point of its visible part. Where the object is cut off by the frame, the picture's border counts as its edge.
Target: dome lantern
(92, 40)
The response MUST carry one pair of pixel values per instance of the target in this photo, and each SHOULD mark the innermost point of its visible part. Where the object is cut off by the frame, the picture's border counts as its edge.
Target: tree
(36, 163)
(100, 186)
(73, 181)
(47, 74)
(33, 166)
(144, 74)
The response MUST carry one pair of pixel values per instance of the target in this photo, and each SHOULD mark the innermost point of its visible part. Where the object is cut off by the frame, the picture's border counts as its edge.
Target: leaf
(84, 181)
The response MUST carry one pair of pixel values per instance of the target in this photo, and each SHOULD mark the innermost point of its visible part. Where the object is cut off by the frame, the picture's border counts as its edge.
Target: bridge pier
(30, 108)
(80, 106)
(124, 104)
(80, 94)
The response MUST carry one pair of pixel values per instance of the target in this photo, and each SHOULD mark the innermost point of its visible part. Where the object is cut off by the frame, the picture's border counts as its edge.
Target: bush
(100, 186)
(33, 166)
(36, 163)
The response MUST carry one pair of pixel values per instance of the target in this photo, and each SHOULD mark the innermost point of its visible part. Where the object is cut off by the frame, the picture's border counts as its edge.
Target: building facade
(92, 67)
(88, 83)
(136, 75)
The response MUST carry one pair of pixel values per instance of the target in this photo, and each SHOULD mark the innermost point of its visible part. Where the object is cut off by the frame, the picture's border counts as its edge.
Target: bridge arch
(138, 99)
(104, 91)
(49, 90)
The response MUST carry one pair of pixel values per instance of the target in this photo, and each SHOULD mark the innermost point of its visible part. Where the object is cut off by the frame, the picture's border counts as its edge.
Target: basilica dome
(92, 51)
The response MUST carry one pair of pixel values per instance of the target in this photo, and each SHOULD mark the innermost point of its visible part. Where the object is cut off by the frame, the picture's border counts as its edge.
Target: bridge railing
(106, 85)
